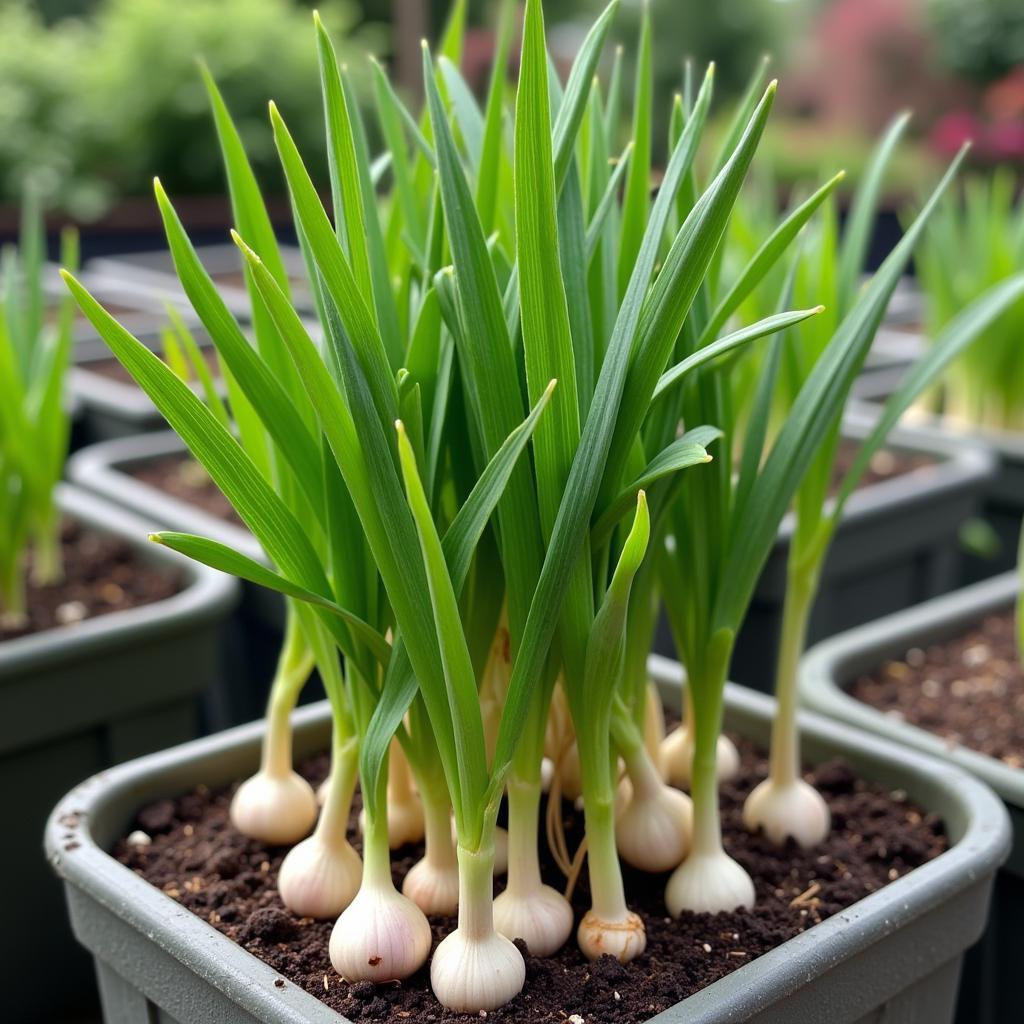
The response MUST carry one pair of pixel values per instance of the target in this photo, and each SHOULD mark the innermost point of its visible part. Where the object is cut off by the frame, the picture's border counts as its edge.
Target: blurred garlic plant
(35, 351)
(974, 242)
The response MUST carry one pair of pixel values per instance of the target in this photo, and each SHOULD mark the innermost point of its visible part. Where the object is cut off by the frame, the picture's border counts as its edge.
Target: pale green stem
(376, 849)
(332, 826)
(476, 892)
(607, 895)
(629, 742)
(523, 817)
(293, 668)
(47, 556)
(12, 594)
(785, 744)
(706, 725)
(439, 850)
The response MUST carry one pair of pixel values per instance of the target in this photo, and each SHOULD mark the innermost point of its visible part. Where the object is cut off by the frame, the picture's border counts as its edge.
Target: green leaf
(688, 450)
(227, 559)
(761, 329)
(961, 332)
(638, 183)
(272, 523)
(460, 681)
(861, 220)
(258, 385)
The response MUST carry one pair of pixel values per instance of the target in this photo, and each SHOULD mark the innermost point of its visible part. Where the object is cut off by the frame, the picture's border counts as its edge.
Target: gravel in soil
(199, 860)
(102, 574)
(183, 478)
(969, 690)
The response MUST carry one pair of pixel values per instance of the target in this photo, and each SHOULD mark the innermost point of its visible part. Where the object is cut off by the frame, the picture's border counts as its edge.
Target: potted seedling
(947, 678)
(83, 608)
(981, 397)
(489, 607)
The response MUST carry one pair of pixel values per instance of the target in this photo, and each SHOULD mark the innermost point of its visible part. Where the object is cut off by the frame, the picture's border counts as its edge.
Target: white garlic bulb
(624, 939)
(279, 809)
(794, 809)
(707, 882)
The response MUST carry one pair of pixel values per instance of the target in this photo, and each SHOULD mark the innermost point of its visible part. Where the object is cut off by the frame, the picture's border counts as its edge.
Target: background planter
(1002, 499)
(252, 637)
(113, 408)
(894, 955)
(895, 547)
(74, 701)
(155, 269)
(992, 991)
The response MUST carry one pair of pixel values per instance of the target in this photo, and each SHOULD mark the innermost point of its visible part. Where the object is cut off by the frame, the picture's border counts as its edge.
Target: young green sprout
(35, 351)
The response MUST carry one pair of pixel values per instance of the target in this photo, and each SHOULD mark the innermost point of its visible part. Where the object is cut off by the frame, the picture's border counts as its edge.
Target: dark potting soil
(102, 574)
(883, 465)
(969, 689)
(181, 477)
(200, 861)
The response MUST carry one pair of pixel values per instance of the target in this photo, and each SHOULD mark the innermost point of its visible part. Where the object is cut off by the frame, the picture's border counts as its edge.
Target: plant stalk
(47, 554)
(607, 894)
(332, 826)
(784, 756)
(476, 892)
(294, 665)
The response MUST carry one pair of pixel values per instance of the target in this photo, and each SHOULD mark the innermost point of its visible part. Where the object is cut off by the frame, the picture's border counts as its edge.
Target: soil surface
(969, 689)
(181, 477)
(198, 859)
(101, 575)
(884, 464)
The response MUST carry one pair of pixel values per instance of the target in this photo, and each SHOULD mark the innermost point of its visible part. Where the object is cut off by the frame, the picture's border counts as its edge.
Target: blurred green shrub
(980, 40)
(92, 108)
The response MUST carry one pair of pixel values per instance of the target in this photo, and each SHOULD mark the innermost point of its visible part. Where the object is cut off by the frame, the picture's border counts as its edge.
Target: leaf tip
(156, 538)
(552, 384)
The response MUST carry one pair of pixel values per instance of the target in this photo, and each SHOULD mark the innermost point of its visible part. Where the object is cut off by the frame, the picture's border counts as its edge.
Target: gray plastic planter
(1002, 500)
(894, 956)
(155, 270)
(113, 408)
(252, 637)
(74, 701)
(993, 991)
(897, 545)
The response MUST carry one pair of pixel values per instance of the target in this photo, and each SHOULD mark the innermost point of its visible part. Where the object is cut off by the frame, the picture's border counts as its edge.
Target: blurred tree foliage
(92, 107)
(732, 33)
(980, 40)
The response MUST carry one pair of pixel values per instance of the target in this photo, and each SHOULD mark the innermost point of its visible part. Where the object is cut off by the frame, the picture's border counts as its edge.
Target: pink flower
(953, 130)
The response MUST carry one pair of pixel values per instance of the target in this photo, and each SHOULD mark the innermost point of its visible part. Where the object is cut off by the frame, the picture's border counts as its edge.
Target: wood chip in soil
(969, 689)
(199, 860)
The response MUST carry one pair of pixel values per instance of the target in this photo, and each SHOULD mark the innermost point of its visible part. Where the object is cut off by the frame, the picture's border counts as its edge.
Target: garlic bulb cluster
(623, 938)
(792, 809)
(474, 968)
(320, 876)
(432, 883)
(381, 936)
(652, 831)
(677, 756)
(274, 807)
(528, 909)
(708, 882)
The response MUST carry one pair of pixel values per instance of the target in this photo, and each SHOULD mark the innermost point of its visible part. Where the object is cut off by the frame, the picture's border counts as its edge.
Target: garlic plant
(984, 227)
(35, 350)
(784, 805)
(381, 466)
